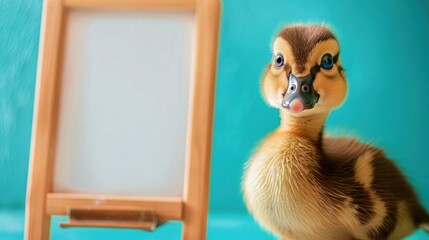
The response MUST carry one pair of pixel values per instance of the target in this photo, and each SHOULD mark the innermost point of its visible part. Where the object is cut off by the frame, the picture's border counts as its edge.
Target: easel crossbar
(166, 208)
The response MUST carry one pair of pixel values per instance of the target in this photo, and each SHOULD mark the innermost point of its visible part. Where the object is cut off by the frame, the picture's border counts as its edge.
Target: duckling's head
(305, 75)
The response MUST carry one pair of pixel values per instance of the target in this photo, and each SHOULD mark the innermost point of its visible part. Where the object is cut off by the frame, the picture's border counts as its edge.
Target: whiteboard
(124, 103)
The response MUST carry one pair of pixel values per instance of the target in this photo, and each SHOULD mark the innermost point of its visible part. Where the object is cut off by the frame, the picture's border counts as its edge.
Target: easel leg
(38, 229)
(194, 228)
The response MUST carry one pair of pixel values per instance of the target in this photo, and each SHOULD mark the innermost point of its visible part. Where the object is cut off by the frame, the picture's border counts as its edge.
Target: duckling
(300, 184)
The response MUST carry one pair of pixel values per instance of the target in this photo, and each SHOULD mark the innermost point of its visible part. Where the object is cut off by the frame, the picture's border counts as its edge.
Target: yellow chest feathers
(279, 184)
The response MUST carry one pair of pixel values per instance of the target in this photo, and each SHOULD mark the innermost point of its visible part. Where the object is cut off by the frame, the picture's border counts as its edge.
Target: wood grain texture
(166, 208)
(132, 4)
(108, 224)
(200, 121)
(112, 217)
(44, 123)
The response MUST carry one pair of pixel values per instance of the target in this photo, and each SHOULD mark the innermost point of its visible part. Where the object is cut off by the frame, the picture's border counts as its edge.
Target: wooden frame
(192, 209)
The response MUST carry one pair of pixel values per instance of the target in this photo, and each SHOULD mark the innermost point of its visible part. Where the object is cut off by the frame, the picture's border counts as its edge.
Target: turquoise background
(384, 49)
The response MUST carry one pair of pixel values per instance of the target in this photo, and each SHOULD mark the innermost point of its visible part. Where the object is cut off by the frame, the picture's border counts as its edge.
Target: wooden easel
(121, 211)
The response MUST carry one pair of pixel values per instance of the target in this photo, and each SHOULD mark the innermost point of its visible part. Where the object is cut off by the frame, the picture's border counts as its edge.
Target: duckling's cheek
(273, 88)
(319, 88)
(332, 91)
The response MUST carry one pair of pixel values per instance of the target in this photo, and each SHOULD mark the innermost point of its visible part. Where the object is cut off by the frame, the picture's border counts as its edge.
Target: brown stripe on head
(302, 39)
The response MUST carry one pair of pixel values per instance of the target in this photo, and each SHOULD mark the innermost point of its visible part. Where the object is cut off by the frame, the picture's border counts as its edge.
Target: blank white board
(124, 103)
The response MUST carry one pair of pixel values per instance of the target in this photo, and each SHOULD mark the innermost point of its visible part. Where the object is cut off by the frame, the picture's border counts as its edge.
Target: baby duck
(300, 184)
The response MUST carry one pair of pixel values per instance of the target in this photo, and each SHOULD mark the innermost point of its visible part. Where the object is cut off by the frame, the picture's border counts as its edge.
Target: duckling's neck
(308, 127)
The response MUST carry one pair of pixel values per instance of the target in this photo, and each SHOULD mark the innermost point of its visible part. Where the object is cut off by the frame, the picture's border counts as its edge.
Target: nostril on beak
(305, 88)
(292, 87)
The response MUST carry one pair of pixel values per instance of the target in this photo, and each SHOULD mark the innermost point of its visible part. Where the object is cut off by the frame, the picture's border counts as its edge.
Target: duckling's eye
(279, 60)
(327, 62)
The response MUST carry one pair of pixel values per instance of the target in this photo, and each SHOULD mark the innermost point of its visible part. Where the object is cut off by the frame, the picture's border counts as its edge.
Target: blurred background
(384, 49)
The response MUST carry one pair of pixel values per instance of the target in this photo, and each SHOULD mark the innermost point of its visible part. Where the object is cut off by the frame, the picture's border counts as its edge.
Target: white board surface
(124, 103)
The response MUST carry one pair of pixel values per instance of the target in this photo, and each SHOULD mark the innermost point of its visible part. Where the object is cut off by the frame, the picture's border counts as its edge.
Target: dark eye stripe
(314, 70)
(336, 57)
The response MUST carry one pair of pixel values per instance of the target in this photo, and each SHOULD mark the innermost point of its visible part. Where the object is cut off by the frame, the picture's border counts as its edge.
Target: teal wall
(384, 48)
(19, 40)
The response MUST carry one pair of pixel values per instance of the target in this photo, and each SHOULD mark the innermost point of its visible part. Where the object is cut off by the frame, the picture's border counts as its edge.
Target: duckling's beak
(300, 94)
